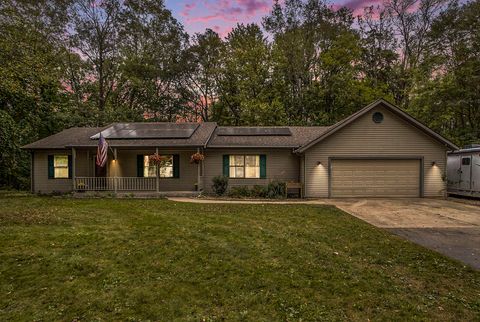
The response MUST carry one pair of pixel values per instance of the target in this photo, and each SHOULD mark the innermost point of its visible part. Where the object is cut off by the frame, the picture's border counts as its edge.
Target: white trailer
(463, 171)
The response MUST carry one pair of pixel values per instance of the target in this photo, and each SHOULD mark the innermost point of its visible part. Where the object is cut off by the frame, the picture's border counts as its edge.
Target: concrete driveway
(449, 227)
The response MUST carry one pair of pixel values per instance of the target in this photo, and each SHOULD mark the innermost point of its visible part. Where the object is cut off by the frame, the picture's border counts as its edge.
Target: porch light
(434, 163)
(319, 163)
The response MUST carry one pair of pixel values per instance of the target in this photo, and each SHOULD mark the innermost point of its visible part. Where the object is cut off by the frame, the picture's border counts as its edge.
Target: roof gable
(392, 108)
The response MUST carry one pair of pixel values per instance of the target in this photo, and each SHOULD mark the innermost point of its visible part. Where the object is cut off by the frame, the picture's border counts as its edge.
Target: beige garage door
(375, 178)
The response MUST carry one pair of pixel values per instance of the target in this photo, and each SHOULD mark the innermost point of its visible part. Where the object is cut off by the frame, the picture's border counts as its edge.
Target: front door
(465, 173)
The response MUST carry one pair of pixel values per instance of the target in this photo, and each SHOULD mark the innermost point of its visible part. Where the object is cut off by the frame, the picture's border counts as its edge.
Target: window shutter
(176, 166)
(263, 166)
(70, 167)
(226, 165)
(51, 170)
(140, 165)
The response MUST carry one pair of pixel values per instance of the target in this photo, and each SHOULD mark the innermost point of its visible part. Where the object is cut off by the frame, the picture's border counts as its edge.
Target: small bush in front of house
(220, 185)
(259, 191)
(276, 189)
(240, 192)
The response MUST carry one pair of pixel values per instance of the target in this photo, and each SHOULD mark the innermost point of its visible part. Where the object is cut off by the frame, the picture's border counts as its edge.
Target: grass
(106, 259)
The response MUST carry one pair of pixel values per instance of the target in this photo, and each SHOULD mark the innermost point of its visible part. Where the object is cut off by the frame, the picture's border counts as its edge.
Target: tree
(411, 21)
(246, 94)
(200, 79)
(379, 48)
(447, 94)
(316, 62)
(95, 36)
(151, 44)
(32, 98)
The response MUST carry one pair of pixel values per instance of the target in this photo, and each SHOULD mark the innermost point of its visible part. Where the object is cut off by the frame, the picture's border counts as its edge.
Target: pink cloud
(227, 10)
(187, 8)
(253, 6)
(358, 5)
(204, 18)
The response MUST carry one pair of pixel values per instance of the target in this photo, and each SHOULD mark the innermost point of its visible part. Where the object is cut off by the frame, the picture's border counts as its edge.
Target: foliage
(220, 185)
(87, 63)
(447, 96)
(240, 192)
(259, 191)
(276, 189)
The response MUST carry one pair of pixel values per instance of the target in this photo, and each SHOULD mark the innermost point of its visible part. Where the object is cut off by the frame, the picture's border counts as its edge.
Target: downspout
(199, 182)
(32, 172)
(157, 172)
(74, 161)
(304, 174)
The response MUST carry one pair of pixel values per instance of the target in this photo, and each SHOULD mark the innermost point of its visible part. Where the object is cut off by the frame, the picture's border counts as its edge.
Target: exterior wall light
(319, 163)
(434, 163)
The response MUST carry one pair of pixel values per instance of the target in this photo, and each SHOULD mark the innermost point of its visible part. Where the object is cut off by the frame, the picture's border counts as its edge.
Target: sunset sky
(222, 15)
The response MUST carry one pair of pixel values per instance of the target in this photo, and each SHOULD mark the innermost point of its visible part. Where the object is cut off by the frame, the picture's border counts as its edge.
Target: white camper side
(463, 172)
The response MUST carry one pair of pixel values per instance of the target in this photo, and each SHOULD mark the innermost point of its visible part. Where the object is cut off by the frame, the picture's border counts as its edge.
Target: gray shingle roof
(300, 135)
(80, 137)
(206, 135)
(71, 136)
(206, 132)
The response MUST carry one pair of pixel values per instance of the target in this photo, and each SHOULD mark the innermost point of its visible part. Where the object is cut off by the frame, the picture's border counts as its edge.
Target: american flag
(102, 150)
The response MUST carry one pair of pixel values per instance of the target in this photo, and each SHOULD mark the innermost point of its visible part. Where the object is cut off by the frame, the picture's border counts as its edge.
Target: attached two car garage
(380, 151)
(375, 178)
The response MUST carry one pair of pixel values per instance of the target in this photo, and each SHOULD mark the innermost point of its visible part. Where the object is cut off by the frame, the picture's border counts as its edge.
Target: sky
(223, 15)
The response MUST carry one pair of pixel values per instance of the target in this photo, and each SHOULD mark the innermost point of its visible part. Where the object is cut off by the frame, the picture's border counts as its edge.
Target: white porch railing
(115, 184)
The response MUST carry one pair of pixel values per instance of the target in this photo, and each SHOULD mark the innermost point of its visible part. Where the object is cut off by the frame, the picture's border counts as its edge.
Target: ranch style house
(379, 151)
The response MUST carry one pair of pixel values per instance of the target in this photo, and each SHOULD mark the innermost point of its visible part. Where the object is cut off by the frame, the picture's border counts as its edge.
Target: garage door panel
(375, 178)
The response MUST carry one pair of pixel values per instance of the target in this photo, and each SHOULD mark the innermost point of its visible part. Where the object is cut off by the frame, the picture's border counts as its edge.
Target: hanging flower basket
(157, 159)
(197, 157)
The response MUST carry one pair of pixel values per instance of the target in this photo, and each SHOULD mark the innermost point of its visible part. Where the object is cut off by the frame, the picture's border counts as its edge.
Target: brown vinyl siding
(126, 166)
(41, 182)
(282, 165)
(394, 137)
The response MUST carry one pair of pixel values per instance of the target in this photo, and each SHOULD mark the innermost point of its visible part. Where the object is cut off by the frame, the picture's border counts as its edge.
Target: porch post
(89, 170)
(115, 169)
(74, 161)
(199, 184)
(157, 180)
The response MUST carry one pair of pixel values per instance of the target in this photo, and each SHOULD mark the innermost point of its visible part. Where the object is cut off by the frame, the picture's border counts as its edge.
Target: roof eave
(365, 110)
(252, 146)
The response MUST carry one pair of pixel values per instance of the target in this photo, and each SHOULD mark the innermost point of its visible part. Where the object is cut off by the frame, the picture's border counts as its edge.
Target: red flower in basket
(157, 159)
(197, 157)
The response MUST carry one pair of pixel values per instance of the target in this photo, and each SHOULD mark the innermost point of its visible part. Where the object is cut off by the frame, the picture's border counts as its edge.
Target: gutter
(252, 147)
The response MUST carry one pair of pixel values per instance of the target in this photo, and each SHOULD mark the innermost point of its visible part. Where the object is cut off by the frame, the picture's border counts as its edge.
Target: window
(149, 169)
(60, 166)
(377, 117)
(244, 166)
(465, 161)
(165, 169)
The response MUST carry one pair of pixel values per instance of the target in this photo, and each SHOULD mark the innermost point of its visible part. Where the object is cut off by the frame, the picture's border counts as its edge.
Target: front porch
(128, 171)
(122, 184)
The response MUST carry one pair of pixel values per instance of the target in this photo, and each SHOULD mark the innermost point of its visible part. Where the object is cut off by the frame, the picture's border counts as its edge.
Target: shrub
(259, 191)
(240, 192)
(220, 185)
(276, 189)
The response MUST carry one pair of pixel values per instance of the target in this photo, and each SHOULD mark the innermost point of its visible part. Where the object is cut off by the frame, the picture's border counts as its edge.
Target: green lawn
(106, 259)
